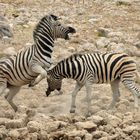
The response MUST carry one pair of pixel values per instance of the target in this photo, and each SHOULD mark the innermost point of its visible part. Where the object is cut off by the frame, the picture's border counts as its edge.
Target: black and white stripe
(29, 65)
(95, 68)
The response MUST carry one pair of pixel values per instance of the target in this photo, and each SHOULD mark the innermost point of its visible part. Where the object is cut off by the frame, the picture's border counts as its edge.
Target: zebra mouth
(67, 37)
(72, 31)
(48, 92)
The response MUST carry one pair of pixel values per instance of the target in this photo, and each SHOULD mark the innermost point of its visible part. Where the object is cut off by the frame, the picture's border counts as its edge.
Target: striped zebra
(98, 68)
(29, 65)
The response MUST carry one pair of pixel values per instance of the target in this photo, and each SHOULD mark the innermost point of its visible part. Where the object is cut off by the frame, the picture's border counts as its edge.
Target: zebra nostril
(67, 37)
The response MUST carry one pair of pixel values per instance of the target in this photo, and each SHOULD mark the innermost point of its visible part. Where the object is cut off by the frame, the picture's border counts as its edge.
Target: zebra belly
(20, 80)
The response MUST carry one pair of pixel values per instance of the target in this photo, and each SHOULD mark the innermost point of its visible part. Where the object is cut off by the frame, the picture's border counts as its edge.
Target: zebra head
(51, 27)
(53, 84)
(61, 31)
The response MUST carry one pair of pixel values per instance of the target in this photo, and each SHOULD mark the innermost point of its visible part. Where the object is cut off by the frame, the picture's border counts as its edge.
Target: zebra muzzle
(72, 30)
(48, 93)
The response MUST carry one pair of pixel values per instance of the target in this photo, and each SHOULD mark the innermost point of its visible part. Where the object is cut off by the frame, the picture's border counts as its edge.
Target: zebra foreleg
(115, 93)
(42, 74)
(74, 93)
(10, 95)
(88, 98)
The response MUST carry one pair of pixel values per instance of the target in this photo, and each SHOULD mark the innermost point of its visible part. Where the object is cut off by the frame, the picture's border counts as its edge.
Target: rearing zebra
(98, 68)
(29, 65)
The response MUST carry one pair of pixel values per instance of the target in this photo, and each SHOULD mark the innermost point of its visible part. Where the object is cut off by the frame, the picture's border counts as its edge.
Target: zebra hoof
(6, 96)
(30, 85)
(72, 111)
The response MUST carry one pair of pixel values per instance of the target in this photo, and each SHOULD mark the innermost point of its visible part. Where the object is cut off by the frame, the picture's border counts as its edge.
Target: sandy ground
(87, 19)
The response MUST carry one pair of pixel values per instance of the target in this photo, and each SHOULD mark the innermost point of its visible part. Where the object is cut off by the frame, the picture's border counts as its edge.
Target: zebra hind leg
(130, 85)
(2, 89)
(3, 85)
(10, 95)
(115, 93)
(74, 93)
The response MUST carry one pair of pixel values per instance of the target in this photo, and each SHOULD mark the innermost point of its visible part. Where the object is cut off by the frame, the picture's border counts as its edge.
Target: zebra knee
(3, 89)
(44, 74)
(6, 91)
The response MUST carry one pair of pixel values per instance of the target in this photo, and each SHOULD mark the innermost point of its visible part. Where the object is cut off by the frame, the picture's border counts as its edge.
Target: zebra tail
(137, 77)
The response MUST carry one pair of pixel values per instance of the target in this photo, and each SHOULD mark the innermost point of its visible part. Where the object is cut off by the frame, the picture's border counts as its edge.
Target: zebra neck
(54, 75)
(45, 43)
(42, 56)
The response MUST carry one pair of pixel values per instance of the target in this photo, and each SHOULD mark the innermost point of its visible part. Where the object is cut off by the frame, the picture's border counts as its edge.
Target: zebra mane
(76, 55)
(40, 24)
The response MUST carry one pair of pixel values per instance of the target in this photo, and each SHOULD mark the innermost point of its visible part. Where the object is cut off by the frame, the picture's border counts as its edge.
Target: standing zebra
(98, 68)
(29, 65)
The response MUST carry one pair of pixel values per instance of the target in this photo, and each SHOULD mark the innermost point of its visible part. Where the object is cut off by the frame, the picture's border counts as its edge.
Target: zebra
(29, 65)
(99, 68)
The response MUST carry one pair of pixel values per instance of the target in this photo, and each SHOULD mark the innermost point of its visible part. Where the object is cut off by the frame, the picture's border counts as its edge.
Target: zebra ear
(55, 17)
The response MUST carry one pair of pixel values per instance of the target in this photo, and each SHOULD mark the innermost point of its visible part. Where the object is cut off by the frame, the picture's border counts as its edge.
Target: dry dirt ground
(40, 117)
